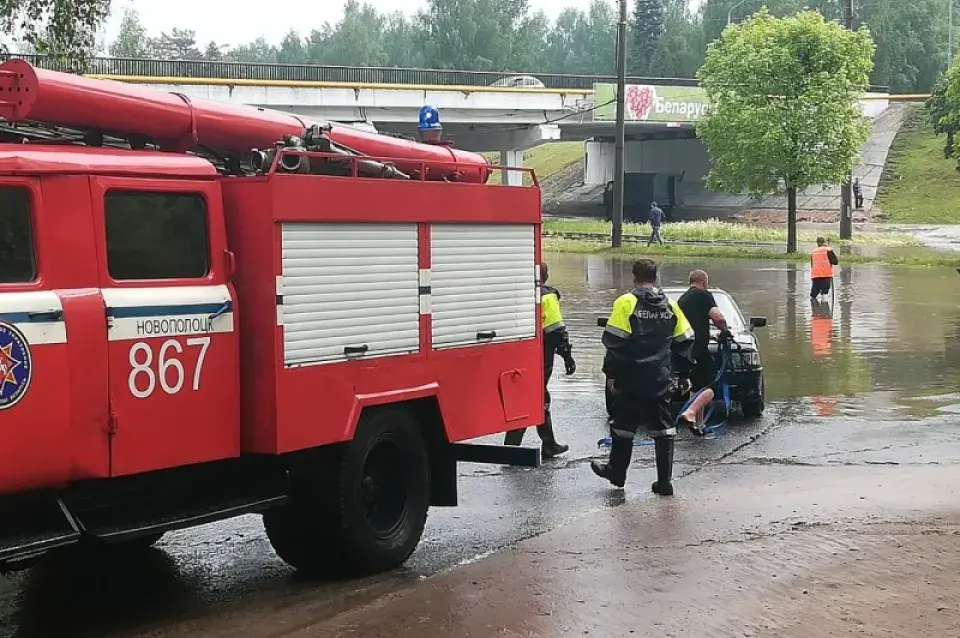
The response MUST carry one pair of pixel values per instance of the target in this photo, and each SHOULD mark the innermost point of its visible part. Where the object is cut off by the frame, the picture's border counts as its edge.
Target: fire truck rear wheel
(374, 517)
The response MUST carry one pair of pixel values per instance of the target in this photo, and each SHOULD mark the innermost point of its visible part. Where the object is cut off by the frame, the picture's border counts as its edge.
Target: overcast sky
(240, 21)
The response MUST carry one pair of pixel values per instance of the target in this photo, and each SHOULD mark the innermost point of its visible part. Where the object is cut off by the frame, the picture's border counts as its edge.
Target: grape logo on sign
(640, 99)
(16, 366)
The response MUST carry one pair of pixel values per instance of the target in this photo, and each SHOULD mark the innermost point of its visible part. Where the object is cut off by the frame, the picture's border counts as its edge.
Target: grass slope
(546, 160)
(918, 185)
(716, 230)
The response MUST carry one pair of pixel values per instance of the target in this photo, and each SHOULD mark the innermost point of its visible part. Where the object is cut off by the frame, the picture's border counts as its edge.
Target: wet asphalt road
(871, 382)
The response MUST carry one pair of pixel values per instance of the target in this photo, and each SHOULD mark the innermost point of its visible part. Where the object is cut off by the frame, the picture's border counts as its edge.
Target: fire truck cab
(189, 336)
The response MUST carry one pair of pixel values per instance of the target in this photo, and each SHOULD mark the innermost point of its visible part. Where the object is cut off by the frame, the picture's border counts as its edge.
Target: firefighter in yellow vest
(822, 261)
(556, 341)
(649, 343)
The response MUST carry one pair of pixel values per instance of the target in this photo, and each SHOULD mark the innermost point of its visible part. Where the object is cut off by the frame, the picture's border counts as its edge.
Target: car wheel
(754, 409)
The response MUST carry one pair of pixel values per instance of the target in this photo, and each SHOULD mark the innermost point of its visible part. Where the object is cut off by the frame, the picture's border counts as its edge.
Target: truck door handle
(487, 334)
(46, 315)
(225, 308)
(348, 350)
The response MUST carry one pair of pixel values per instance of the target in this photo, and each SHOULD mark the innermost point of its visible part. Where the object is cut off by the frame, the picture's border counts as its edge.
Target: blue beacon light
(429, 124)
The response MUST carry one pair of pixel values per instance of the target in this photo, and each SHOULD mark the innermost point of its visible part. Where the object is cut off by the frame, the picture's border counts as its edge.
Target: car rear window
(18, 262)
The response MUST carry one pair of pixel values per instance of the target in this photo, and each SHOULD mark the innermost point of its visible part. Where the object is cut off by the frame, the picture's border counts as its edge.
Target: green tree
(600, 43)
(402, 42)
(582, 42)
(474, 34)
(784, 105)
(909, 36)
(178, 44)
(530, 53)
(679, 51)
(132, 40)
(944, 112)
(213, 51)
(910, 39)
(63, 28)
(356, 40)
(253, 52)
(645, 33)
(293, 50)
(716, 12)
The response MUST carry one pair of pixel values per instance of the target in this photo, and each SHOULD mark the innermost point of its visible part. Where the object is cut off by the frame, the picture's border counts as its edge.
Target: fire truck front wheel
(372, 516)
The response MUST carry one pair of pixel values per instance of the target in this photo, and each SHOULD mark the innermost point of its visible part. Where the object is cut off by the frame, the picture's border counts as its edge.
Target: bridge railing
(318, 73)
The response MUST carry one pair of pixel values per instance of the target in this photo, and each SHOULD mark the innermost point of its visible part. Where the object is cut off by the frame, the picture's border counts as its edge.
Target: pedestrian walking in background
(656, 220)
(857, 194)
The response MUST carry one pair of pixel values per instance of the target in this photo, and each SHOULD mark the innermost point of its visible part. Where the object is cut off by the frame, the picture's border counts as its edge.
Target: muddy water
(890, 329)
(883, 362)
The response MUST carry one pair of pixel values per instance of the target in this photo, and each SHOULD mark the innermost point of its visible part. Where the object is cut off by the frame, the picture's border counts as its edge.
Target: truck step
(125, 508)
(33, 525)
(117, 526)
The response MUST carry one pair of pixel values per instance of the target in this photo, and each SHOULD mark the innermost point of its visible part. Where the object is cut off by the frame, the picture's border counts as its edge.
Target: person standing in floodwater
(857, 194)
(556, 342)
(647, 339)
(700, 309)
(656, 220)
(822, 261)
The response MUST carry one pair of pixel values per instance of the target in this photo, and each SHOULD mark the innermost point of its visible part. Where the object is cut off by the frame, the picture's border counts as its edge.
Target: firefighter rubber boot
(550, 447)
(514, 437)
(615, 471)
(663, 449)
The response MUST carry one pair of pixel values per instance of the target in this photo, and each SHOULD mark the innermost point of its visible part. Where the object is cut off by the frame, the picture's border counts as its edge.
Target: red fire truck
(210, 310)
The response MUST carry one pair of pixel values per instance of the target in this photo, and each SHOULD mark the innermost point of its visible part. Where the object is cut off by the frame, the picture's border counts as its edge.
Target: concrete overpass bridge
(481, 111)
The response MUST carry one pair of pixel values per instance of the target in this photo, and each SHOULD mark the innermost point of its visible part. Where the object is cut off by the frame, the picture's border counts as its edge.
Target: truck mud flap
(33, 524)
(497, 454)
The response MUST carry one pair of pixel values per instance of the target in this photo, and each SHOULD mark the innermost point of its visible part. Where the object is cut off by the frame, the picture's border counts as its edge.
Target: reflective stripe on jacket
(550, 308)
(555, 338)
(647, 338)
(820, 263)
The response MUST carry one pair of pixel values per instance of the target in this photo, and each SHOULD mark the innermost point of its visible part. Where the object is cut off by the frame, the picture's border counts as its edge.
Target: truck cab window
(156, 235)
(17, 260)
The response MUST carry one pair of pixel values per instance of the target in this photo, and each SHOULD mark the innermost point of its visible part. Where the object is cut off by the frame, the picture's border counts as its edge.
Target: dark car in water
(745, 372)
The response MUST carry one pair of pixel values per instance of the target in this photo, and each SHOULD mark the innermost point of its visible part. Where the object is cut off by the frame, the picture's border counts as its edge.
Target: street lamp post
(846, 194)
(617, 231)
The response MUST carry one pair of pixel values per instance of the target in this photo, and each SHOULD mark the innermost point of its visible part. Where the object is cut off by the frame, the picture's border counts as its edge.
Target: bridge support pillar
(513, 158)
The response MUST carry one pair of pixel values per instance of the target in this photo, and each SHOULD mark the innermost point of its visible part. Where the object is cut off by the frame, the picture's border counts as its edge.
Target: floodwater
(870, 379)
(892, 329)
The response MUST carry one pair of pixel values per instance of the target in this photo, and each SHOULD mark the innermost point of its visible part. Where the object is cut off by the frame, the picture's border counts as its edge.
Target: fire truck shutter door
(350, 291)
(482, 283)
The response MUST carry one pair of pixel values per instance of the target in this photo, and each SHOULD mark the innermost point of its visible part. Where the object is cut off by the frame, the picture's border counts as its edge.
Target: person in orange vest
(822, 261)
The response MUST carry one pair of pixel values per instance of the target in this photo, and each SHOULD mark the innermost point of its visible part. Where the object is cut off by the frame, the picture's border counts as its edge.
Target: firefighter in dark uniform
(555, 342)
(648, 341)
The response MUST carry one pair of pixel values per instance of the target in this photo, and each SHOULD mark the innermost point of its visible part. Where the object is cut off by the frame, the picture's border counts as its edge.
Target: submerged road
(869, 388)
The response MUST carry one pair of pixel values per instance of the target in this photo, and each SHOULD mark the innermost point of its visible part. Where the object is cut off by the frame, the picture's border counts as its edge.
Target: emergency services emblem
(16, 368)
